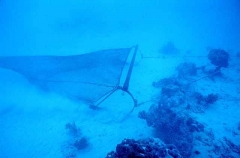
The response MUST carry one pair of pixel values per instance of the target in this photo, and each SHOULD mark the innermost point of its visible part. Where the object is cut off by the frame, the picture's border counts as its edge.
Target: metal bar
(127, 80)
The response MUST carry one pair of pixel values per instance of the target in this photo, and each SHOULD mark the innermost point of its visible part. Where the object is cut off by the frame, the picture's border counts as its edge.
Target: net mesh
(87, 77)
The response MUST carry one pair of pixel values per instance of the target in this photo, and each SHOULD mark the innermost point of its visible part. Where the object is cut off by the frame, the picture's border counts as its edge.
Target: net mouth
(90, 77)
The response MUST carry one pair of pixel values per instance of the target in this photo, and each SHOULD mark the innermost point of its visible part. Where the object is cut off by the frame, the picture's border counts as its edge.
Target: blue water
(170, 32)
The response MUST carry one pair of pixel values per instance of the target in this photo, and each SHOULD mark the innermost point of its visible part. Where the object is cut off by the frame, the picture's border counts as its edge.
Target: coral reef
(186, 69)
(81, 143)
(219, 58)
(205, 100)
(183, 94)
(225, 149)
(75, 142)
(172, 95)
(72, 129)
(172, 91)
(166, 81)
(144, 148)
(211, 98)
(172, 127)
(169, 49)
(198, 102)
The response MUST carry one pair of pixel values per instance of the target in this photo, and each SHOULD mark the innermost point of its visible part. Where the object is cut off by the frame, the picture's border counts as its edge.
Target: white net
(87, 77)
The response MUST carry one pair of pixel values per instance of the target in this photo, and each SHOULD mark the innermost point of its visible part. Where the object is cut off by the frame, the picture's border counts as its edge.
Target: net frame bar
(125, 85)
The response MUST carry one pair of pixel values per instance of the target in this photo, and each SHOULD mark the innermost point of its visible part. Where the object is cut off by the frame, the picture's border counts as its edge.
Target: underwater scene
(120, 79)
